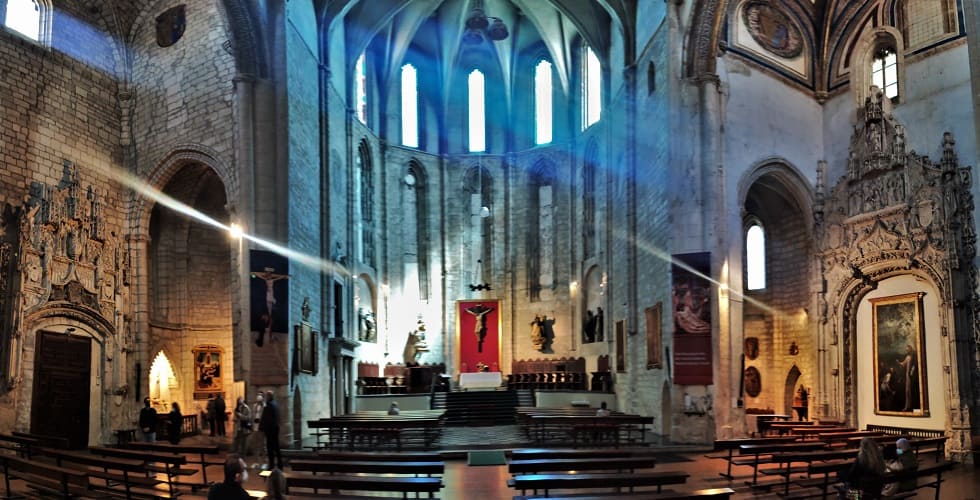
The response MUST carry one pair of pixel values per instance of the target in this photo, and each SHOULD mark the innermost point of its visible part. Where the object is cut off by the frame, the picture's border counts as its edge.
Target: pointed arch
(541, 228)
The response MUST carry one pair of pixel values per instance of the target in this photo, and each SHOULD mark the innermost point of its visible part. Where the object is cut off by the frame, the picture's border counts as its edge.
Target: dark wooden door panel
(62, 376)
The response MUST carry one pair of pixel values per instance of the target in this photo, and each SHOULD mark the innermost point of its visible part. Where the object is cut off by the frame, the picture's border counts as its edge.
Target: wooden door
(62, 379)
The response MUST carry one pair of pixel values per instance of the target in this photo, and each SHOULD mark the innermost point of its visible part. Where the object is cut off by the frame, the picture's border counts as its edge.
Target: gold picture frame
(654, 318)
(899, 356)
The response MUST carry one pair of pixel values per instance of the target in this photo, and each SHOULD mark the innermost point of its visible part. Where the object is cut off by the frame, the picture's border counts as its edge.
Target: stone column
(971, 21)
(244, 119)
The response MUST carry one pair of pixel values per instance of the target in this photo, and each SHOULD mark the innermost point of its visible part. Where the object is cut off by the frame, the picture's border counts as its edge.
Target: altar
(480, 380)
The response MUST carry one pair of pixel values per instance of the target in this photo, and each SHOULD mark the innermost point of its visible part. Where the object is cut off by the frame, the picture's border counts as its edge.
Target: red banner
(478, 335)
(691, 296)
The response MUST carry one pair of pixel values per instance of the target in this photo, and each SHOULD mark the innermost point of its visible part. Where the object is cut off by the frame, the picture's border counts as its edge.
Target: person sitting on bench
(602, 411)
(906, 461)
(235, 475)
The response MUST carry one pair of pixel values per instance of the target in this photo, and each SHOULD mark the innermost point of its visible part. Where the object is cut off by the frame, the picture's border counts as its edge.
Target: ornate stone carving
(894, 212)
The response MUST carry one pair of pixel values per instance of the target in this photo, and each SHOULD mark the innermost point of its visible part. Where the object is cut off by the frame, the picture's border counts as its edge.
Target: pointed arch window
(591, 88)
(360, 89)
(476, 86)
(884, 71)
(410, 107)
(588, 201)
(24, 17)
(367, 204)
(755, 257)
(542, 103)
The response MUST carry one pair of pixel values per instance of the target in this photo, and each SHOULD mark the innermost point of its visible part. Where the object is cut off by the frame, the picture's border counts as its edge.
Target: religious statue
(589, 326)
(415, 345)
(367, 325)
(537, 339)
(480, 312)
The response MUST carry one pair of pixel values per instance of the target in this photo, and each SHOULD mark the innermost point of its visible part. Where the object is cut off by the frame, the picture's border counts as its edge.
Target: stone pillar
(971, 21)
(244, 119)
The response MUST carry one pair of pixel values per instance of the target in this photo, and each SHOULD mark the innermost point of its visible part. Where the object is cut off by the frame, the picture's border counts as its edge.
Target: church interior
(697, 212)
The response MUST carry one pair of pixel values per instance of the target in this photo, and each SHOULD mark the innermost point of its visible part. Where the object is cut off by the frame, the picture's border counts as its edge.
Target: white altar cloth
(480, 380)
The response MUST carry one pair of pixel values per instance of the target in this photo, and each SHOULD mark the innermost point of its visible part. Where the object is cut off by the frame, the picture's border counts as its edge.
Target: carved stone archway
(895, 213)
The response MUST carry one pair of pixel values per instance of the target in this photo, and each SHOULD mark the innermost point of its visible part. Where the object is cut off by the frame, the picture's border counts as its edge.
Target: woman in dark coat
(174, 421)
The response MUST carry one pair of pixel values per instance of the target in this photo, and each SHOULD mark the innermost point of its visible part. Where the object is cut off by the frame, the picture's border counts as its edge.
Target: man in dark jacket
(269, 425)
(148, 421)
(235, 476)
(221, 418)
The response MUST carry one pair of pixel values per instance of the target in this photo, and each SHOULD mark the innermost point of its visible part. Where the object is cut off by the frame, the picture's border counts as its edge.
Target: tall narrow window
(591, 88)
(542, 103)
(360, 89)
(477, 112)
(588, 200)
(367, 204)
(410, 107)
(884, 72)
(24, 17)
(755, 257)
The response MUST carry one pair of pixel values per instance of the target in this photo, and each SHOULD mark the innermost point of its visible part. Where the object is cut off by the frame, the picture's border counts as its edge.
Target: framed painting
(207, 369)
(899, 357)
(621, 345)
(306, 349)
(654, 339)
(478, 335)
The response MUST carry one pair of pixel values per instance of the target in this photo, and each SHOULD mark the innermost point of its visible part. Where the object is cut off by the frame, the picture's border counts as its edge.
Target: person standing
(235, 476)
(148, 421)
(243, 426)
(221, 417)
(269, 425)
(212, 411)
(175, 421)
(258, 439)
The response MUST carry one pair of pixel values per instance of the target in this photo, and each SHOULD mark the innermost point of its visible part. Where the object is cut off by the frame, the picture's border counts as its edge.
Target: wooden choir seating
(374, 429)
(548, 374)
(396, 378)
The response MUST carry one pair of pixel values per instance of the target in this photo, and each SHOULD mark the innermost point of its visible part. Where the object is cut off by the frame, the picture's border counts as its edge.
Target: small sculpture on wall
(794, 349)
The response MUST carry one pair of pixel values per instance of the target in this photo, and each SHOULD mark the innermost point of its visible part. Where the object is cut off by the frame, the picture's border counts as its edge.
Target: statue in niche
(599, 326)
(589, 326)
(367, 325)
(537, 339)
(415, 345)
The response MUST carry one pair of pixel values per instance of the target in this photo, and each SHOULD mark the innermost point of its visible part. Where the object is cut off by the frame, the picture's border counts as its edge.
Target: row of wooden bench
(581, 426)
(375, 429)
(819, 453)
(142, 470)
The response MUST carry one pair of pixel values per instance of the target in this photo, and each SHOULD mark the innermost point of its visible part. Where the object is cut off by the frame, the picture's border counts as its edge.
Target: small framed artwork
(621, 345)
(899, 357)
(306, 349)
(654, 339)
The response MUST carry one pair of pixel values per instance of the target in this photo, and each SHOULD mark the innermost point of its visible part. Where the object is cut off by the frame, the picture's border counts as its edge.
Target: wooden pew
(548, 482)
(368, 467)
(44, 477)
(171, 463)
(370, 456)
(199, 457)
(545, 427)
(545, 454)
(830, 470)
(374, 428)
(20, 444)
(403, 485)
(815, 430)
(758, 450)
(57, 442)
(579, 464)
(784, 462)
(115, 472)
(707, 493)
(730, 445)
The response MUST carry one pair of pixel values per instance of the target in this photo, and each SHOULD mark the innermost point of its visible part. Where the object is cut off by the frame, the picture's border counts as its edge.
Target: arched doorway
(163, 383)
(189, 292)
(789, 390)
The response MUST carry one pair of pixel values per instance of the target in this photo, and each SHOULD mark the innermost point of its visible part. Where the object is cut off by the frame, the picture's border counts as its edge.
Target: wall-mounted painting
(306, 349)
(207, 370)
(654, 338)
(898, 340)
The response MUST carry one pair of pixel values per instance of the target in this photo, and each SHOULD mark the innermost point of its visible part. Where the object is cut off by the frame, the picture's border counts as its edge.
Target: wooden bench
(784, 462)
(546, 454)
(368, 467)
(403, 485)
(368, 456)
(20, 444)
(374, 428)
(730, 445)
(45, 478)
(921, 445)
(548, 427)
(548, 482)
(198, 456)
(709, 493)
(115, 472)
(761, 454)
(58, 442)
(171, 463)
(825, 486)
(579, 464)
